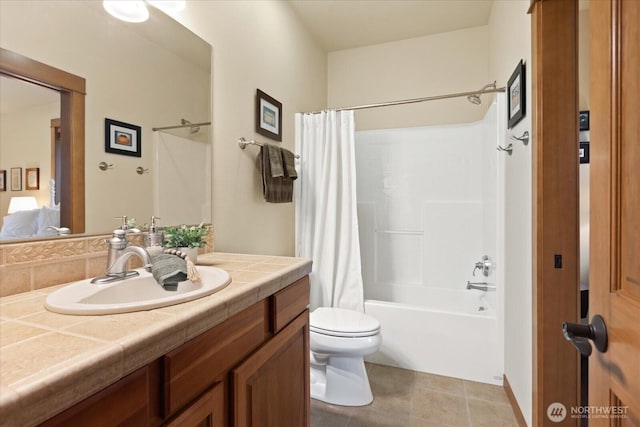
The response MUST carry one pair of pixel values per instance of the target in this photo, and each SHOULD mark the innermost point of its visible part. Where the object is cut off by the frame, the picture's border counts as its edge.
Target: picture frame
(16, 179)
(268, 116)
(584, 120)
(122, 138)
(32, 178)
(583, 152)
(516, 95)
(3, 180)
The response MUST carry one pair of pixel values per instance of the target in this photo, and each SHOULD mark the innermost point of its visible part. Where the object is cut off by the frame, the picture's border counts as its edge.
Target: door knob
(580, 334)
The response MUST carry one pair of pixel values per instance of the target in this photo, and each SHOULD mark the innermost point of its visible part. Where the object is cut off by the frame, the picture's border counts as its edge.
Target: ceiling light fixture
(127, 10)
(168, 6)
(136, 10)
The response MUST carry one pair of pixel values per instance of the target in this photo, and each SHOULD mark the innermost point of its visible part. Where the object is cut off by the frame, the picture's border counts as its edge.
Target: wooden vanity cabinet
(250, 370)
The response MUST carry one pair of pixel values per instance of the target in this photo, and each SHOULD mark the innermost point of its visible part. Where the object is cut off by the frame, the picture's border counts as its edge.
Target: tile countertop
(51, 361)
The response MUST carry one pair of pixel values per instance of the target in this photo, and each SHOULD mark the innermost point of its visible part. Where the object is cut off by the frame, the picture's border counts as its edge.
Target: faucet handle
(478, 266)
(483, 265)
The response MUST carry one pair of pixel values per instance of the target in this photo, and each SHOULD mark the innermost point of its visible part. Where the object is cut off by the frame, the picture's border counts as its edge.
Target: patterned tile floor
(404, 398)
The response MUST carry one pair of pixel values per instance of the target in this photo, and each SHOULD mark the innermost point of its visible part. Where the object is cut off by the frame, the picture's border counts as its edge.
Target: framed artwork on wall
(16, 179)
(32, 179)
(516, 95)
(3, 180)
(122, 138)
(268, 116)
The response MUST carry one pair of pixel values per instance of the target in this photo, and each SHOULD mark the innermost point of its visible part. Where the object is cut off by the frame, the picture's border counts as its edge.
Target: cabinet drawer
(195, 366)
(288, 303)
(124, 403)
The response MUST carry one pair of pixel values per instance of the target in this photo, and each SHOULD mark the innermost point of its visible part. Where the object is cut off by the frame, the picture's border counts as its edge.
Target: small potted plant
(187, 239)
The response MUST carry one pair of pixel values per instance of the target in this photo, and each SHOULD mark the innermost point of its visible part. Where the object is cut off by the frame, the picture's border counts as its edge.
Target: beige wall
(256, 44)
(29, 129)
(443, 63)
(509, 42)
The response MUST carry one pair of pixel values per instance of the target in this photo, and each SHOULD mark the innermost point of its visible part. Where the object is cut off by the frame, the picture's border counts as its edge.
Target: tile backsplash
(27, 266)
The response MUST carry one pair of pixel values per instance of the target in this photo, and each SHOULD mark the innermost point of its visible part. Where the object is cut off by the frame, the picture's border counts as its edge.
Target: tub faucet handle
(483, 265)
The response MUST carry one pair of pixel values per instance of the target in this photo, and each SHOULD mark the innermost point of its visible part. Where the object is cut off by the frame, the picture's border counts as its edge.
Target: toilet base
(340, 381)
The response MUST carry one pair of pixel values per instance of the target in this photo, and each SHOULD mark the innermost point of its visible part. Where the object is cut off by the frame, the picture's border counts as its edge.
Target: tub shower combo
(430, 201)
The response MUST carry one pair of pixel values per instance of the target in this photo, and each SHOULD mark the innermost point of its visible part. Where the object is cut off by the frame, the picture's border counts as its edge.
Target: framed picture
(3, 180)
(268, 116)
(16, 179)
(584, 152)
(122, 138)
(584, 120)
(516, 95)
(32, 179)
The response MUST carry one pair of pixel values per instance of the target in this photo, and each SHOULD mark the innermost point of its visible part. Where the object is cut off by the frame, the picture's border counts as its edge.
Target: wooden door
(271, 387)
(614, 376)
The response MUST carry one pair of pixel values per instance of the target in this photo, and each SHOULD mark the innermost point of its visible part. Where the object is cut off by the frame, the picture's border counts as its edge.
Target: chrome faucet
(59, 230)
(118, 255)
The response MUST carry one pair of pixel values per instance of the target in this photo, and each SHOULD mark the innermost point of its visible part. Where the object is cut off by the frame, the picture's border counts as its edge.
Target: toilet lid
(339, 322)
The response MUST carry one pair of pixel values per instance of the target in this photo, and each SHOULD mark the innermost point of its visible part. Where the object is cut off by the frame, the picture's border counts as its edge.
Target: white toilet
(339, 339)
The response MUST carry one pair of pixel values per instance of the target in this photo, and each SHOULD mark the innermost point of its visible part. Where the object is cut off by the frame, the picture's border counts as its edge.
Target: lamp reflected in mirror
(18, 204)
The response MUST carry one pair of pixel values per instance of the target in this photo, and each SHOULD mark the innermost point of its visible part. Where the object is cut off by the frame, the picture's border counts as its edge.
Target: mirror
(148, 75)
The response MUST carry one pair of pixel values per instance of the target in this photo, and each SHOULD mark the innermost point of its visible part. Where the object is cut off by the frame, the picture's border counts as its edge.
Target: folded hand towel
(289, 164)
(275, 160)
(169, 270)
(172, 267)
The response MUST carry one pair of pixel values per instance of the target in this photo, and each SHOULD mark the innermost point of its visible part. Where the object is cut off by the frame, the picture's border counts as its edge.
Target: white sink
(135, 294)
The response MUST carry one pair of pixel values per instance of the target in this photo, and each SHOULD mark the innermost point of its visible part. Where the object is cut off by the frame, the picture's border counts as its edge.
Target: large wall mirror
(149, 75)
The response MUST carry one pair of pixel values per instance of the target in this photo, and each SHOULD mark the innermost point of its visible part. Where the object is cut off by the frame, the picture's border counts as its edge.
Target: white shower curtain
(326, 208)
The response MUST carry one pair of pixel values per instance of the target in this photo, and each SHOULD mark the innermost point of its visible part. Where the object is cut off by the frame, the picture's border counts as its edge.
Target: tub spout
(481, 286)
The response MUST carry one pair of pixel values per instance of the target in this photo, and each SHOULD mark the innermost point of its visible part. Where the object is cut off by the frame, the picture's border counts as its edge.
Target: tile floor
(404, 398)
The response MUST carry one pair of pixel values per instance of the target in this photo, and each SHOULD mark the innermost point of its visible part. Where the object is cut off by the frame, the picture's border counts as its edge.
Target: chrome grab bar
(481, 286)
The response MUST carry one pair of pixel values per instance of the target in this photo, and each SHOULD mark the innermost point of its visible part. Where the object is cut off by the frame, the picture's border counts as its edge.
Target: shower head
(192, 129)
(475, 99)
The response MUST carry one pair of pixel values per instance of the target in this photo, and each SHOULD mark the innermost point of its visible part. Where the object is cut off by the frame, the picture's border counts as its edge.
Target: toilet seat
(339, 322)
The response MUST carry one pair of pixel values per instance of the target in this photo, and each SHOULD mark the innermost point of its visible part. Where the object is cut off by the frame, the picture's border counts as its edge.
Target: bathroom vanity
(238, 357)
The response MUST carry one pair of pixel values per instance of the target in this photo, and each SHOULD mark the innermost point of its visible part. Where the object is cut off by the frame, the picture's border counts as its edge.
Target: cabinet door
(271, 387)
(207, 411)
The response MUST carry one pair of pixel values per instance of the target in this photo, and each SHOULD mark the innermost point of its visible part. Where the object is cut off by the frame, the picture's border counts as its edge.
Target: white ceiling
(345, 24)
(18, 95)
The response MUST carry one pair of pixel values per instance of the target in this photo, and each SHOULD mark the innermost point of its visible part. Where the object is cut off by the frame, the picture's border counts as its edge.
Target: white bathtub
(440, 331)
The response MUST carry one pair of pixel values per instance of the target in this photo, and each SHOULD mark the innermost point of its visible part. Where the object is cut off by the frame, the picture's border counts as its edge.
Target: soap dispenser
(154, 238)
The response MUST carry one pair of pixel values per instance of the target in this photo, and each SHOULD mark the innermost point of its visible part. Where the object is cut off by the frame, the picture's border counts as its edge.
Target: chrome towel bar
(242, 142)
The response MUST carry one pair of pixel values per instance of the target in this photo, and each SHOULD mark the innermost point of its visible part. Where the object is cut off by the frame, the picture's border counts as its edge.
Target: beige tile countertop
(50, 361)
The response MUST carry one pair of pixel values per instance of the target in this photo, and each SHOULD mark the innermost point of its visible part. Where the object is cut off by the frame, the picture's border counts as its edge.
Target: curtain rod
(413, 101)
(190, 125)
